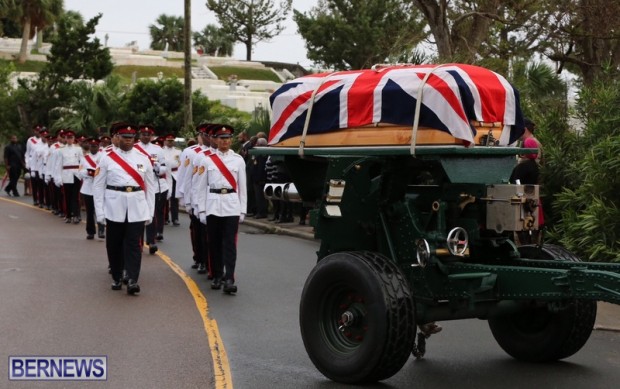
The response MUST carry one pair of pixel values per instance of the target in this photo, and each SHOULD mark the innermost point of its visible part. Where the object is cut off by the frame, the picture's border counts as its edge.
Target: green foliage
(587, 208)
(160, 103)
(261, 122)
(9, 123)
(214, 41)
(77, 54)
(250, 22)
(167, 30)
(344, 34)
(89, 106)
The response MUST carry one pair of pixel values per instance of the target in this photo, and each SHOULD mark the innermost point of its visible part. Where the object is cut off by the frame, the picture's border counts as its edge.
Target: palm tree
(168, 29)
(35, 15)
(214, 41)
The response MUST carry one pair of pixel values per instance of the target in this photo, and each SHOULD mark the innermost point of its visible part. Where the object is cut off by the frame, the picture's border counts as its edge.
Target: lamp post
(187, 92)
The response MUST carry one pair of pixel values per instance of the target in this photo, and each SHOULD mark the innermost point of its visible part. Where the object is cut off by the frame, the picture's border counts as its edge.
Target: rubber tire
(387, 328)
(538, 335)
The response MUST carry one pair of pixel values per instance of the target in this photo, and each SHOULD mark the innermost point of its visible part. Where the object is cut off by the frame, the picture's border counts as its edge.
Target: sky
(128, 20)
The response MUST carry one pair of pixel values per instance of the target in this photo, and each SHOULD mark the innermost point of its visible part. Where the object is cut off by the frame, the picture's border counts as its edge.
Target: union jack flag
(454, 95)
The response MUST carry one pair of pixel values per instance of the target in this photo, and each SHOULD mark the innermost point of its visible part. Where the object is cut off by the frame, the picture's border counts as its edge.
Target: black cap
(223, 131)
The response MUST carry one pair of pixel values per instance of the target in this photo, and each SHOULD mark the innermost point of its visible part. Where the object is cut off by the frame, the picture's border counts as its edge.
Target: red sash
(90, 161)
(140, 149)
(224, 170)
(34, 141)
(132, 172)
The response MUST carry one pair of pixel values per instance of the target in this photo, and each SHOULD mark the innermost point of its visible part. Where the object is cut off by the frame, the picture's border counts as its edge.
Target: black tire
(378, 343)
(539, 335)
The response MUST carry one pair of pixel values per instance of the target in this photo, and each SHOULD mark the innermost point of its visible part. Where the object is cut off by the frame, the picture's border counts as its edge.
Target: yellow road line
(221, 368)
(223, 377)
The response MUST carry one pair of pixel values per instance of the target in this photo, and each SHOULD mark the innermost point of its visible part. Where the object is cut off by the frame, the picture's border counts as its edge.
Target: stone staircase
(199, 72)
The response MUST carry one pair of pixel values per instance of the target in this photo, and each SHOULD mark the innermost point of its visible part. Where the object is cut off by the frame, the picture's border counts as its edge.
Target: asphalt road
(59, 302)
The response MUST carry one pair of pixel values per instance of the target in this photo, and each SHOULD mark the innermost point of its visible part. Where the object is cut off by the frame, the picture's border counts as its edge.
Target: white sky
(128, 20)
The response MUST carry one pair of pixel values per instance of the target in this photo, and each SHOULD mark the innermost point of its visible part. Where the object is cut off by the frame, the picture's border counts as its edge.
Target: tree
(89, 106)
(584, 35)
(460, 28)
(76, 54)
(214, 41)
(168, 30)
(345, 34)
(35, 15)
(587, 205)
(9, 119)
(250, 21)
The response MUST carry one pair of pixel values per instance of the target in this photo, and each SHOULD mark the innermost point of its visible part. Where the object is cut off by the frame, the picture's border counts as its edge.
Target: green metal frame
(392, 198)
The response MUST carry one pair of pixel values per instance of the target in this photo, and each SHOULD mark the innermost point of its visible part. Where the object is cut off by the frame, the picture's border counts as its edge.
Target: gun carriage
(407, 168)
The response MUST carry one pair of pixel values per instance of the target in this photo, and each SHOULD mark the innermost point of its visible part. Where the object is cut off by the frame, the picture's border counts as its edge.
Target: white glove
(241, 218)
(149, 221)
(101, 220)
(188, 209)
(203, 218)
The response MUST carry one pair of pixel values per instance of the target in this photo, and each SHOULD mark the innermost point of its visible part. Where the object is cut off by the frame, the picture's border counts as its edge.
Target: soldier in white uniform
(222, 205)
(154, 231)
(55, 187)
(37, 164)
(31, 144)
(67, 164)
(124, 190)
(172, 155)
(185, 173)
(200, 229)
(87, 174)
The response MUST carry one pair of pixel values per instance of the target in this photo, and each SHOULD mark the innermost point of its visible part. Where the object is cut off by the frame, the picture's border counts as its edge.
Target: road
(258, 328)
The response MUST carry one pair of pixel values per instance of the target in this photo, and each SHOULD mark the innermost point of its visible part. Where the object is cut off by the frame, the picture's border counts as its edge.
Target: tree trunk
(435, 14)
(23, 51)
(248, 51)
(187, 91)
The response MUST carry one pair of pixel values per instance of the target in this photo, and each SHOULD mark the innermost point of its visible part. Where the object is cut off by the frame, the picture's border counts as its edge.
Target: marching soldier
(68, 161)
(124, 190)
(87, 173)
(202, 241)
(55, 187)
(154, 231)
(37, 163)
(31, 144)
(222, 205)
(172, 155)
(185, 173)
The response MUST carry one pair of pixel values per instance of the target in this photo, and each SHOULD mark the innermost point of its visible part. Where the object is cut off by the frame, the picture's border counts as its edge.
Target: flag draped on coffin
(454, 95)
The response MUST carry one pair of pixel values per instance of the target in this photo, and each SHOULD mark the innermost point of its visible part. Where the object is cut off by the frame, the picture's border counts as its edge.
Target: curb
(271, 229)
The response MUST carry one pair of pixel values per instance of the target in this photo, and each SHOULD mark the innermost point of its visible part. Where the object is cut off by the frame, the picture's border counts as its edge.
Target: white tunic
(199, 161)
(211, 178)
(185, 169)
(67, 163)
(159, 164)
(172, 155)
(31, 144)
(87, 172)
(117, 205)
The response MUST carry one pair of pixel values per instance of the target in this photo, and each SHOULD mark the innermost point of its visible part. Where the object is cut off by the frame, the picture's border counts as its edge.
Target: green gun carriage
(417, 225)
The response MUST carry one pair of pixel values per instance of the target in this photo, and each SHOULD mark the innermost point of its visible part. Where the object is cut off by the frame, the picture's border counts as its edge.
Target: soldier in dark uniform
(14, 163)
(124, 194)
